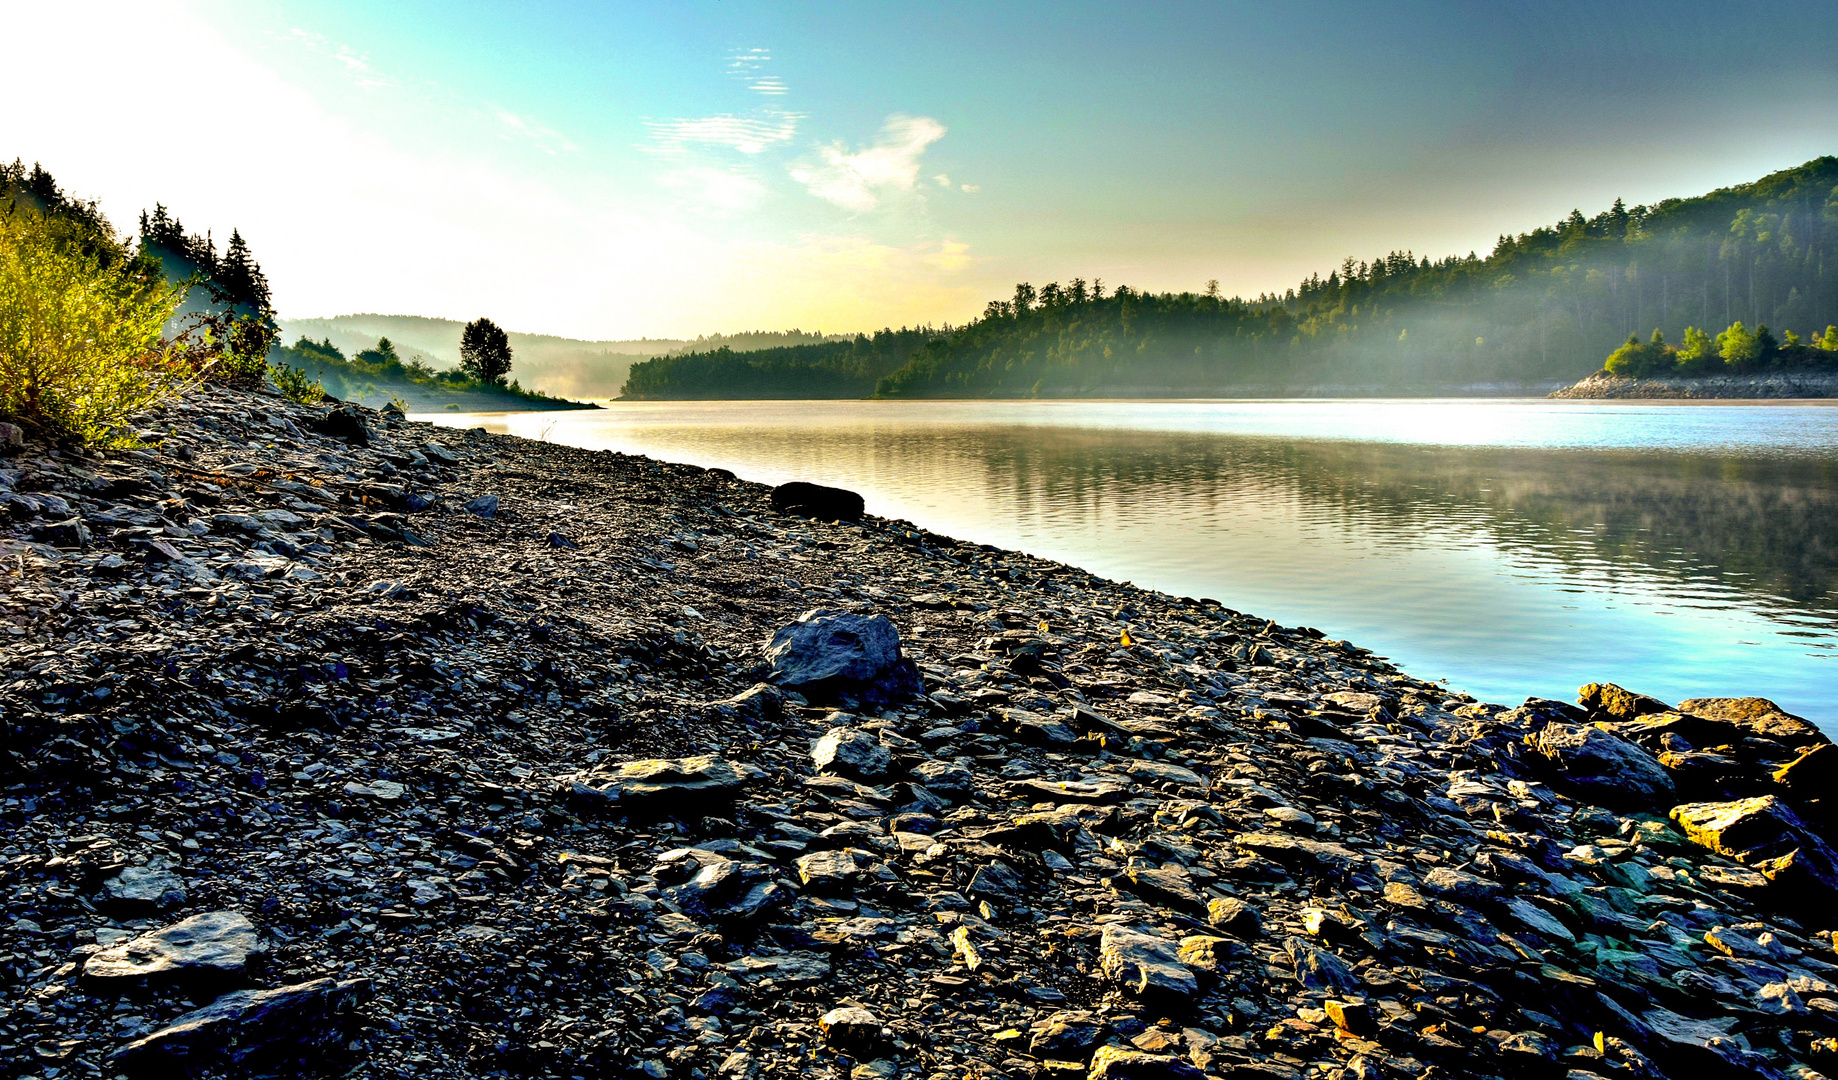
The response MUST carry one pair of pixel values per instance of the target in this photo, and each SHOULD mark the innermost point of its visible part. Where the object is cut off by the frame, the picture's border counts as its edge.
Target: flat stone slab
(218, 943)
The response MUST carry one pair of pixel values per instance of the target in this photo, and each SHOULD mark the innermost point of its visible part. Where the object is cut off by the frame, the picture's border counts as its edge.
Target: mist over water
(1512, 547)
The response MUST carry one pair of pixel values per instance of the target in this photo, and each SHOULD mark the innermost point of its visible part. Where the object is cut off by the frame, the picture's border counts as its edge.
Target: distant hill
(1544, 306)
(555, 365)
(840, 368)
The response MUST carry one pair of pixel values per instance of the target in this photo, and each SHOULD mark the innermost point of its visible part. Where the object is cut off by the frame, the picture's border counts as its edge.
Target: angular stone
(828, 871)
(1319, 969)
(996, 880)
(1120, 1063)
(946, 778)
(1170, 885)
(1146, 964)
(1759, 717)
(145, 886)
(217, 945)
(1403, 894)
(1605, 768)
(1163, 773)
(1320, 855)
(842, 658)
(1234, 916)
(304, 1027)
(1352, 1016)
(1460, 885)
(846, 751)
(1810, 783)
(1068, 1035)
(1763, 834)
(1615, 703)
(852, 1029)
(760, 702)
(1203, 952)
(660, 780)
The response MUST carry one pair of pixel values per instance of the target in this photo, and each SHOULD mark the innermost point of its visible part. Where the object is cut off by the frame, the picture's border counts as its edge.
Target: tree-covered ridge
(834, 369)
(1544, 305)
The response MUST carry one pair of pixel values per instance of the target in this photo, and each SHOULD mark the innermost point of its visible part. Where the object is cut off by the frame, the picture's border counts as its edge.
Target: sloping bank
(333, 739)
(1772, 385)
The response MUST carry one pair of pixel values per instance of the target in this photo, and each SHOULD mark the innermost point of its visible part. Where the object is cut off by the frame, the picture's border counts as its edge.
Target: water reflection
(1511, 570)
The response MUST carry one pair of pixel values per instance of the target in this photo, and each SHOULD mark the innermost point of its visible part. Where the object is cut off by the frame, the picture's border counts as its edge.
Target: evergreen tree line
(835, 369)
(1543, 306)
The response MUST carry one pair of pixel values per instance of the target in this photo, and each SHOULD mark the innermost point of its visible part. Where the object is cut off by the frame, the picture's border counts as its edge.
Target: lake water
(1512, 548)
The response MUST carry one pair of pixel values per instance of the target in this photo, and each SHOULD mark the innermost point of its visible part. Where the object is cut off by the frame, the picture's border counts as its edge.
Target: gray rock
(1764, 835)
(660, 780)
(945, 778)
(852, 1029)
(1121, 1063)
(218, 944)
(1144, 963)
(829, 871)
(1234, 916)
(294, 1028)
(484, 506)
(1319, 969)
(842, 658)
(846, 751)
(1170, 885)
(1068, 1035)
(996, 880)
(1605, 768)
(1459, 885)
(151, 885)
(12, 439)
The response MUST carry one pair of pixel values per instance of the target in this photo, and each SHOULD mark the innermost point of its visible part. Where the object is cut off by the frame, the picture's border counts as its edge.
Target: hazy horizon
(612, 173)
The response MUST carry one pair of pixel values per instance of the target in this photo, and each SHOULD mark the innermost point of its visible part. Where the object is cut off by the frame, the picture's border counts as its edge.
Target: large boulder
(817, 501)
(345, 422)
(1810, 783)
(215, 946)
(1759, 717)
(1603, 768)
(293, 1029)
(1763, 834)
(838, 657)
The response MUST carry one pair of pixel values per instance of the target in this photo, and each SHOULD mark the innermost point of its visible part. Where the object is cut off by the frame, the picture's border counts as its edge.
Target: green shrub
(296, 384)
(82, 342)
(1642, 360)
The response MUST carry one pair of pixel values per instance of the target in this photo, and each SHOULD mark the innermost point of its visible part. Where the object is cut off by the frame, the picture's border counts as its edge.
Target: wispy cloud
(749, 135)
(546, 139)
(858, 180)
(356, 65)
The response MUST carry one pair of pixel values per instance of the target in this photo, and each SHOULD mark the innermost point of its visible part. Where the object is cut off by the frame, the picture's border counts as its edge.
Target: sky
(610, 170)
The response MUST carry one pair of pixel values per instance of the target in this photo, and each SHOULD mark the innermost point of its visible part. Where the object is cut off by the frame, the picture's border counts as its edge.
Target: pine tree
(240, 277)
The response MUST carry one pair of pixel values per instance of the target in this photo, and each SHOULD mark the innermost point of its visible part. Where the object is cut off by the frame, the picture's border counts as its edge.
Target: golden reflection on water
(1513, 547)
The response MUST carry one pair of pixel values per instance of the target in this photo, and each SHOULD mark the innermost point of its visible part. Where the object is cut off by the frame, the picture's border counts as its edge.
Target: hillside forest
(1543, 307)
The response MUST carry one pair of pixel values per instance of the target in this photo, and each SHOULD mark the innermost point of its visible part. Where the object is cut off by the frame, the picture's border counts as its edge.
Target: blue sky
(616, 170)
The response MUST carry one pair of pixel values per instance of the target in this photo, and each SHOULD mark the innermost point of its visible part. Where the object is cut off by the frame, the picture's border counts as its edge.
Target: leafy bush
(82, 342)
(1643, 360)
(296, 384)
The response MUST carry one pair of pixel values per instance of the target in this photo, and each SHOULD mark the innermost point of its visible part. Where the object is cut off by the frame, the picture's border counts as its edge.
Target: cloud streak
(749, 135)
(859, 180)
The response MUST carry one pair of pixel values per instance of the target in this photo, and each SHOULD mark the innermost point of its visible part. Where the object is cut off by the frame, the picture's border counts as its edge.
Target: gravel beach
(338, 744)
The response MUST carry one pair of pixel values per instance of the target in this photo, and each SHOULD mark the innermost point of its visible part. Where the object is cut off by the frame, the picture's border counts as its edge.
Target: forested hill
(1545, 305)
(850, 368)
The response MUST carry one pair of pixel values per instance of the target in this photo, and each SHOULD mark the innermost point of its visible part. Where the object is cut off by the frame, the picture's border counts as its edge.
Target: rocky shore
(339, 743)
(1778, 385)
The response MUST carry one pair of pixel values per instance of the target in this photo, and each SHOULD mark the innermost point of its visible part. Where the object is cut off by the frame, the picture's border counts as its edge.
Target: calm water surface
(1510, 547)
